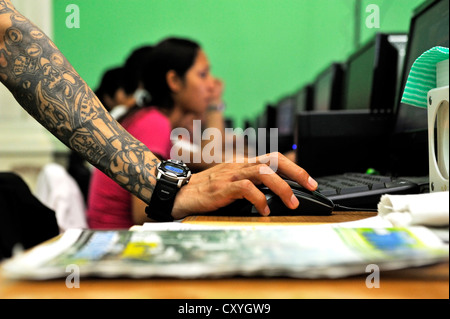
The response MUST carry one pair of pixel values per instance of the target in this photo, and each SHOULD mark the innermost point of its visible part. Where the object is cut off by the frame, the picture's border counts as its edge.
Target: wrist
(217, 107)
(186, 202)
(172, 175)
(178, 211)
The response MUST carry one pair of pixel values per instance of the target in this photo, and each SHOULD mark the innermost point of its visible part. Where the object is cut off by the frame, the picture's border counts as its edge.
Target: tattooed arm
(50, 90)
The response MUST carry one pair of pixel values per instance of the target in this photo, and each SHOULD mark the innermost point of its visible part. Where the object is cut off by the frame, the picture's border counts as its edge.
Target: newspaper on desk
(319, 251)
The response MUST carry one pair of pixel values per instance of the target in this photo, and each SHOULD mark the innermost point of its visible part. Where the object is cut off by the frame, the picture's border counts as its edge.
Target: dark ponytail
(170, 54)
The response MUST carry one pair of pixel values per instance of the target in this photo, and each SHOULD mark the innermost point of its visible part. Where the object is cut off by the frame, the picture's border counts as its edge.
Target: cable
(345, 208)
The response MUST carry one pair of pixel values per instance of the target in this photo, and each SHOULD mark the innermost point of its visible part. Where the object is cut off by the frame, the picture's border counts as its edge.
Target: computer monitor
(304, 99)
(409, 144)
(328, 88)
(266, 121)
(285, 123)
(268, 117)
(285, 114)
(372, 74)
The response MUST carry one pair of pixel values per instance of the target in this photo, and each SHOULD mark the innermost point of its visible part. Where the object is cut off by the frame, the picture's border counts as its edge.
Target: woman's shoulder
(152, 114)
(146, 115)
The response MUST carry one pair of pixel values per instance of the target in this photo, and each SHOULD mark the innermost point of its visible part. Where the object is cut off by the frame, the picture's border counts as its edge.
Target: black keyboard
(362, 191)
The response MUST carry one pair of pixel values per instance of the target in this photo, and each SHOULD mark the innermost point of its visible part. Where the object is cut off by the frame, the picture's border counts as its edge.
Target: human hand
(222, 184)
(217, 92)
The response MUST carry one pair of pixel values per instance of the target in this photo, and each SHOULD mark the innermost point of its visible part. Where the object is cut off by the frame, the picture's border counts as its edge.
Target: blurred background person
(177, 77)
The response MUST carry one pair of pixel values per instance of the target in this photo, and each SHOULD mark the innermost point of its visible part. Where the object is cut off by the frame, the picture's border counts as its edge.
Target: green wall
(262, 49)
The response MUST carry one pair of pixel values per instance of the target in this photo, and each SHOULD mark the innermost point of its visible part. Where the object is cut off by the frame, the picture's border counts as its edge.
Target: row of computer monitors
(368, 80)
(351, 115)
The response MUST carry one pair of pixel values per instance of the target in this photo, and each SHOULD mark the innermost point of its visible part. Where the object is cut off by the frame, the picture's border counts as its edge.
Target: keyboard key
(377, 185)
(354, 189)
(327, 191)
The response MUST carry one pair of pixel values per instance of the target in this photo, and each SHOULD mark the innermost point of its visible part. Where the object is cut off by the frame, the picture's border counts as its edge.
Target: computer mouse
(311, 203)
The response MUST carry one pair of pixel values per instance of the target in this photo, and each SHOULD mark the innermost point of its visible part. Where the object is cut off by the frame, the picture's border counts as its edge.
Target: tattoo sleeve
(50, 90)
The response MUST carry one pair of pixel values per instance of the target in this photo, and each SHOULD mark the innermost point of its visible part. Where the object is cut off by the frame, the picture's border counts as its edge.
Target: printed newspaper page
(319, 251)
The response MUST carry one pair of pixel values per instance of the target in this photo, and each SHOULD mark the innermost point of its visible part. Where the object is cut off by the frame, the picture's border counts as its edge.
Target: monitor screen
(328, 89)
(372, 74)
(323, 86)
(360, 69)
(285, 116)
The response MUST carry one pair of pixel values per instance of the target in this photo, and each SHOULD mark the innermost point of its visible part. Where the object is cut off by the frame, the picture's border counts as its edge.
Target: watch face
(175, 168)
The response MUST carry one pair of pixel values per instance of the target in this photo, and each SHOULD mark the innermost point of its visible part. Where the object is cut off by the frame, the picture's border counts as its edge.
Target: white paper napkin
(430, 209)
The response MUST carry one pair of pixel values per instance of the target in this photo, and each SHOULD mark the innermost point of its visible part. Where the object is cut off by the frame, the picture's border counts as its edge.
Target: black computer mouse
(311, 203)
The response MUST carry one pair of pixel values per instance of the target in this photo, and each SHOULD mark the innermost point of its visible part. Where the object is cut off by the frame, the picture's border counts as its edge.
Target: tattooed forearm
(47, 87)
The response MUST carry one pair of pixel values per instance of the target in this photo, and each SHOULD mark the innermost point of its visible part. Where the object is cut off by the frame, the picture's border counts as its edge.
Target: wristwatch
(220, 107)
(171, 176)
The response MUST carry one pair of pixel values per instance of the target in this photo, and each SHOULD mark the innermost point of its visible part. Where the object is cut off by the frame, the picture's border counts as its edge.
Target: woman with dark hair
(169, 62)
(177, 77)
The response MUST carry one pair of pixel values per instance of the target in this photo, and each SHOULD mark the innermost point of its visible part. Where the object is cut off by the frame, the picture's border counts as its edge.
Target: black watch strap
(162, 201)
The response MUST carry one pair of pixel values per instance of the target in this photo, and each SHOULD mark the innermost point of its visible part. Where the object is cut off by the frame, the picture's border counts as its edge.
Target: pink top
(109, 205)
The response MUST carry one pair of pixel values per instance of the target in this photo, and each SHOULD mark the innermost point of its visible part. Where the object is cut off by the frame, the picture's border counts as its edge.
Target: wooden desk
(418, 283)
